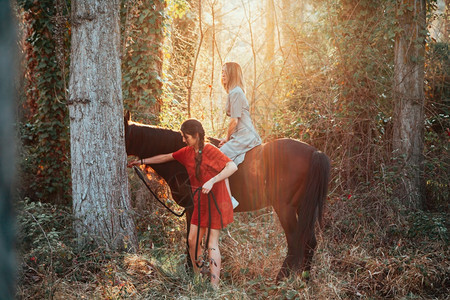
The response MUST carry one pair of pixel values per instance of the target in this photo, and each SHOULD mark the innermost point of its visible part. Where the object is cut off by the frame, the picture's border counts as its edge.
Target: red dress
(213, 161)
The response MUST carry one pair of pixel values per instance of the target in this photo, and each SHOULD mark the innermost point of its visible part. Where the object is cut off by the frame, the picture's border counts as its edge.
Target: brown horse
(286, 174)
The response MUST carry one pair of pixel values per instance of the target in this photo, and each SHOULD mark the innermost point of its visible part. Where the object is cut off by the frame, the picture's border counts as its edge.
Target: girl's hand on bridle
(134, 163)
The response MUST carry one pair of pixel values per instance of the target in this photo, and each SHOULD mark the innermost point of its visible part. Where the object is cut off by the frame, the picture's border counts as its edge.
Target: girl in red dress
(207, 167)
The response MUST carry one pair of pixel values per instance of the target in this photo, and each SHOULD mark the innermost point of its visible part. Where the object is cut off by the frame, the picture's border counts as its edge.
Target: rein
(210, 195)
(197, 191)
(141, 176)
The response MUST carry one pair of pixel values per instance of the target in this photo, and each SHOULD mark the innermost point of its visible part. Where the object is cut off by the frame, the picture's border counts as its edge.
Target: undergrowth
(370, 247)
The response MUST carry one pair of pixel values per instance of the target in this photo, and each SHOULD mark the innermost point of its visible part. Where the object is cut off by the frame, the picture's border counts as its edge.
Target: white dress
(245, 137)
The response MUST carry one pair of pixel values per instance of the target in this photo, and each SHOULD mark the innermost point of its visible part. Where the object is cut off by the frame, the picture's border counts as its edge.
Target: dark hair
(194, 127)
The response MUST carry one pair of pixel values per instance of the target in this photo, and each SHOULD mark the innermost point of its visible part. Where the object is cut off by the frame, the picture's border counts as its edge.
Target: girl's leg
(214, 256)
(192, 239)
(233, 200)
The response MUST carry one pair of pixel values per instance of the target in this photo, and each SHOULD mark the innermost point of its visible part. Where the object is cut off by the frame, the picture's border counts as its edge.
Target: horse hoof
(281, 276)
(306, 276)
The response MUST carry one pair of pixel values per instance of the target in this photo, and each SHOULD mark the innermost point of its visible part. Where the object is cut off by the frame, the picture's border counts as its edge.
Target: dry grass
(369, 248)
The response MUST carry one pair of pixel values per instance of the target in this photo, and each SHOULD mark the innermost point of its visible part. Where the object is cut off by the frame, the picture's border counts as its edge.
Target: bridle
(142, 177)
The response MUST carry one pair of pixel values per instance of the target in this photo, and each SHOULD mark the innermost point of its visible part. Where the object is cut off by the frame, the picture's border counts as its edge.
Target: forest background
(318, 71)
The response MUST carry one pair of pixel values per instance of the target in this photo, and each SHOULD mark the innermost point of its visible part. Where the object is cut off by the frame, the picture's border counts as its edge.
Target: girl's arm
(158, 159)
(226, 172)
(231, 128)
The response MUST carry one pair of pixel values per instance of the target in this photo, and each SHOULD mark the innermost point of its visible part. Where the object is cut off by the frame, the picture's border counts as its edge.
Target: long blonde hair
(234, 75)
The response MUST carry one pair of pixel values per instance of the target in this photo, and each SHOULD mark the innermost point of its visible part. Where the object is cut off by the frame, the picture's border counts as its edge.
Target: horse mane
(213, 141)
(143, 134)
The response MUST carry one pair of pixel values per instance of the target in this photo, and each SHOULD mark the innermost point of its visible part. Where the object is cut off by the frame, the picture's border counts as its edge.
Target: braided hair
(194, 128)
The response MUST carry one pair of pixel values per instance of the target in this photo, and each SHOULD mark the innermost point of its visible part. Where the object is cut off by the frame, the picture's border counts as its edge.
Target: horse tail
(312, 205)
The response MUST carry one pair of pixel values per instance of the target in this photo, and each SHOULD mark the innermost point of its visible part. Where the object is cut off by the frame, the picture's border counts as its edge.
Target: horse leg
(309, 253)
(288, 220)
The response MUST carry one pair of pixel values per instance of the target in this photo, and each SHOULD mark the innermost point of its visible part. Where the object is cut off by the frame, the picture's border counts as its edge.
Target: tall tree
(43, 100)
(7, 152)
(270, 35)
(183, 48)
(101, 200)
(292, 17)
(191, 76)
(286, 18)
(142, 62)
(213, 5)
(409, 97)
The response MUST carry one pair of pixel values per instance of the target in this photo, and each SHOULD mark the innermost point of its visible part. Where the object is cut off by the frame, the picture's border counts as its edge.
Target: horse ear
(127, 116)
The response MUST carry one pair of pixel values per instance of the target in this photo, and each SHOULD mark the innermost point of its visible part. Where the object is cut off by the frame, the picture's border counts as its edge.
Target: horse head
(145, 141)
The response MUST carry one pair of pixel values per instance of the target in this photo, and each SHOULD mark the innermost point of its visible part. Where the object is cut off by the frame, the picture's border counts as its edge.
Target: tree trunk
(142, 62)
(155, 44)
(8, 67)
(191, 77)
(270, 35)
(409, 99)
(213, 62)
(101, 200)
(286, 19)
